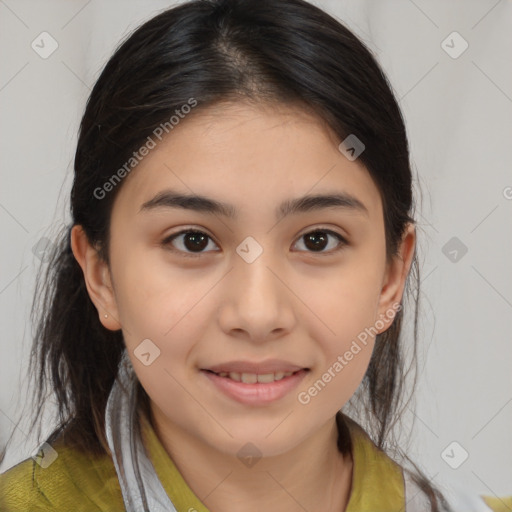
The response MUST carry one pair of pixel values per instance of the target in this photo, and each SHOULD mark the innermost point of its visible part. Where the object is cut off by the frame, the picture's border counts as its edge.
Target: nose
(258, 304)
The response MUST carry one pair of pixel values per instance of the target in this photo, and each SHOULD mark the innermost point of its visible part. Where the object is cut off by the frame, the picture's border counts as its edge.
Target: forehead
(247, 155)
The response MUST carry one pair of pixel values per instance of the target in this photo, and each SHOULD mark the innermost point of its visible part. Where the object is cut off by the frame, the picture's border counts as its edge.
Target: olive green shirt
(78, 482)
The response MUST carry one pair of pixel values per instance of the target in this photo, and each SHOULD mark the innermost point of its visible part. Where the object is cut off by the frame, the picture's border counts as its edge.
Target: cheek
(166, 304)
(154, 297)
(345, 355)
(344, 304)
(344, 301)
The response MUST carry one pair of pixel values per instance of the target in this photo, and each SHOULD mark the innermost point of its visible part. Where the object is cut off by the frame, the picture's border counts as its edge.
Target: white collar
(141, 488)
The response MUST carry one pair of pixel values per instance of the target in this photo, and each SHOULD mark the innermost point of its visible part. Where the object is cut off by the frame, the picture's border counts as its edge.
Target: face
(254, 320)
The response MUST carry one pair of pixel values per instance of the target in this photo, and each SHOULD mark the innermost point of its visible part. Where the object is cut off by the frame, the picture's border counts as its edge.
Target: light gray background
(459, 118)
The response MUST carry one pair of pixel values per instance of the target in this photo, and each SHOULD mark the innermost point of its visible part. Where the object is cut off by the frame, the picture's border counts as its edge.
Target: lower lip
(260, 393)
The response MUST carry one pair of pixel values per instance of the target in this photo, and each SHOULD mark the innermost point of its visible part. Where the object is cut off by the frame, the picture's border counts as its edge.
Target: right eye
(190, 242)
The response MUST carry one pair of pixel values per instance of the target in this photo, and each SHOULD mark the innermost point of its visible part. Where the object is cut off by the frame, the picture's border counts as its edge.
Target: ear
(395, 276)
(97, 278)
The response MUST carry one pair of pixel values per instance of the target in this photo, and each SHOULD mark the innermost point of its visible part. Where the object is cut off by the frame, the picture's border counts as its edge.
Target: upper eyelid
(304, 232)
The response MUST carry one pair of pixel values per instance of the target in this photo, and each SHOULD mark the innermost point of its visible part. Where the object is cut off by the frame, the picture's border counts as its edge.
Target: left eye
(193, 242)
(318, 240)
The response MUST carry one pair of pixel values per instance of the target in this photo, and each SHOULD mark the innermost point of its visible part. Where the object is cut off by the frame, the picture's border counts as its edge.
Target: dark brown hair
(284, 51)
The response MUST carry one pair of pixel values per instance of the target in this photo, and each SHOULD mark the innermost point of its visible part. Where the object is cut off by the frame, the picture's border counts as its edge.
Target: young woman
(233, 278)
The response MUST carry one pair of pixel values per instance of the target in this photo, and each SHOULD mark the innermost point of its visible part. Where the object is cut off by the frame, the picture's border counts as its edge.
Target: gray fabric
(140, 485)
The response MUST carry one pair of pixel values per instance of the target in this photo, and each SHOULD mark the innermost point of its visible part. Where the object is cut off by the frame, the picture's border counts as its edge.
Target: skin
(291, 303)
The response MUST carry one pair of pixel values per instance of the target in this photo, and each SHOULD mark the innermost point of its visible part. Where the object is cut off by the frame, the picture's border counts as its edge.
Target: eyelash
(167, 241)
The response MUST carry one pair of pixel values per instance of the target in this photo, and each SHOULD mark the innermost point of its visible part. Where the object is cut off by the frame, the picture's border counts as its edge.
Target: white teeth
(252, 378)
(266, 377)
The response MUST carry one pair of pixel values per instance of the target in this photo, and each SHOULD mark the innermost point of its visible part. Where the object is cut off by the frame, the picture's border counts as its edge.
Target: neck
(312, 476)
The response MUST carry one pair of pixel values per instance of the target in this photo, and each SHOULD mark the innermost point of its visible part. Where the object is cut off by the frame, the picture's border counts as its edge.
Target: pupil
(315, 245)
(199, 241)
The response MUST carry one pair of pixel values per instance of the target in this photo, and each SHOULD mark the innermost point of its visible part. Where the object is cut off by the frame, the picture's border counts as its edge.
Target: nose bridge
(257, 279)
(258, 286)
(258, 302)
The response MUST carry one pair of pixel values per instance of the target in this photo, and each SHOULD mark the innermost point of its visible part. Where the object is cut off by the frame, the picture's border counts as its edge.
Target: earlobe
(395, 278)
(97, 278)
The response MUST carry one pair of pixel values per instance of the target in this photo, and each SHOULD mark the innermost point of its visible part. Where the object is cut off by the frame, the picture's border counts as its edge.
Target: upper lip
(264, 367)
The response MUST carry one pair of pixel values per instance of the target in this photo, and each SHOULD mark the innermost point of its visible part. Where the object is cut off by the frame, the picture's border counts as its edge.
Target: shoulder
(61, 478)
(377, 474)
(19, 490)
(377, 481)
(369, 454)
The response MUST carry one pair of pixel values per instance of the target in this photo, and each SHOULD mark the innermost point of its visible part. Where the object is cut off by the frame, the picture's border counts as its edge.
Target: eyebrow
(202, 204)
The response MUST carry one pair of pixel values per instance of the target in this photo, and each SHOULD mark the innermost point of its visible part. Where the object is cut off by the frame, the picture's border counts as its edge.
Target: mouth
(255, 388)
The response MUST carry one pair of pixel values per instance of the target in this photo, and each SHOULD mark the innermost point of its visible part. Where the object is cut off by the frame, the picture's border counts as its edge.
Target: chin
(269, 437)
